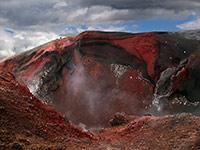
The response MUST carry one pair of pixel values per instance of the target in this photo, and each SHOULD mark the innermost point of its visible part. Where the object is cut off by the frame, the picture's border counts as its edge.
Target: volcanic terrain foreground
(52, 95)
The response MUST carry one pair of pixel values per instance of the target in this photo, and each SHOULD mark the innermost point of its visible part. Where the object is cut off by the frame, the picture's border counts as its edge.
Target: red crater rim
(98, 79)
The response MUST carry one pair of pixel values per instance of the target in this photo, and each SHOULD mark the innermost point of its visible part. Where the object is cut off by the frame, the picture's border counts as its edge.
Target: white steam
(90, 103)
(32, 86)
(79, 84)
(119, 70)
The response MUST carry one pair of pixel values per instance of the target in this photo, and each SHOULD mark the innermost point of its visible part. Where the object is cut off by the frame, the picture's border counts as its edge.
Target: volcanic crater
(101, 79)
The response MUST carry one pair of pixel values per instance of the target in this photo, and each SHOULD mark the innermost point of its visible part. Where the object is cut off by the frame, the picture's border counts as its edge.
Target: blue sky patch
(9, 31)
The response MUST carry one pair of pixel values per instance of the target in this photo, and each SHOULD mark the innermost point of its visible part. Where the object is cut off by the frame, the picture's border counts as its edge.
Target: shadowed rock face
(92, 76)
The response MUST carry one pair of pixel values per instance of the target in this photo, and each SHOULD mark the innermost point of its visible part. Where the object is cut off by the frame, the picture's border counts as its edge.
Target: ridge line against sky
(25, 24)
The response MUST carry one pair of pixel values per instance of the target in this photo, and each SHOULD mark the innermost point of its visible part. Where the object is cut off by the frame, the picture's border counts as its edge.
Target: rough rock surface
(26, 123)
(89, 78)
(119, 119)
(113, 72)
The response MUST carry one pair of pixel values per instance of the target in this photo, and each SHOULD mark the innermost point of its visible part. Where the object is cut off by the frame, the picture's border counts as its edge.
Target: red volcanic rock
(118, 119)
(144, 46)
(101, 73)
(27, 123)
(167, 132)
(91, 77)
(98, 71)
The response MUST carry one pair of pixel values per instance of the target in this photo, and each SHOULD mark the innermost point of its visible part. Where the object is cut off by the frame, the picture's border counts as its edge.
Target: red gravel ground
(26, 123)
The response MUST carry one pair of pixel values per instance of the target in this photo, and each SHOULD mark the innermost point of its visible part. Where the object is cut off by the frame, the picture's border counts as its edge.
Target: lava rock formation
(91, 77)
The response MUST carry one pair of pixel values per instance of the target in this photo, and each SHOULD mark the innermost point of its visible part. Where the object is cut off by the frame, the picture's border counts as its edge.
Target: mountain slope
(91, 77)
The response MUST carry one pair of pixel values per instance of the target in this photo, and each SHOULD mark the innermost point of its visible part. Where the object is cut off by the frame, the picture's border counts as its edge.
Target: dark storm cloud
(148, 9)
(26, 13)
(144, 4)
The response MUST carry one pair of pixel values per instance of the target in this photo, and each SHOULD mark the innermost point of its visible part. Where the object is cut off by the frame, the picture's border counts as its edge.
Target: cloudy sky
(25, 24)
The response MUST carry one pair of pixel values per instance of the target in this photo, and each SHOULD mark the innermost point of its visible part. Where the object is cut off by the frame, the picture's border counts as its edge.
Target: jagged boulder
(119, 119)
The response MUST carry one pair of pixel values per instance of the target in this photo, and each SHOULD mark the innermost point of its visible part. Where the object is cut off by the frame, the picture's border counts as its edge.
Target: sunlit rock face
(92, 76)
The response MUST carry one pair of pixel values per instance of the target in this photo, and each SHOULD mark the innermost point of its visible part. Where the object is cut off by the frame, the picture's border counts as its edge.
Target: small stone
(118, 119)
(2, 108)
(25, 141)
(147, 114)
(16, 146)
(27, 133)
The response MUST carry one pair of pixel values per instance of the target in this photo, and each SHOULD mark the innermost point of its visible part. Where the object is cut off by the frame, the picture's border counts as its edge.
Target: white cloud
(60, 4)
(194, 24)
(20, 41)
(29, 40)
(75, 30)
(135, 26)
(6, 44)
(110, 28)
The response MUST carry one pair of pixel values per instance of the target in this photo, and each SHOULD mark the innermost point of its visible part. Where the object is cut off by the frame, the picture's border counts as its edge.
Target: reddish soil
(26, 123)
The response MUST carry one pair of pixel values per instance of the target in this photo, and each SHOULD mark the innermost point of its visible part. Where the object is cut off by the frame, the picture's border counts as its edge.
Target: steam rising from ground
(33, 86)
(90, 103)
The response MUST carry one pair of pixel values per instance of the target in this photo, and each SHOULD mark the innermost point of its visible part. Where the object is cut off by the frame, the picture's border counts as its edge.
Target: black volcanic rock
(118, 119)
